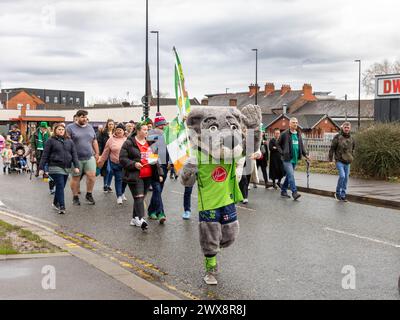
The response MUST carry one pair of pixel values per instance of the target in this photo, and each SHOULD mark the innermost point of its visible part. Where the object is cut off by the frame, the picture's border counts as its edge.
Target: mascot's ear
(237, 114)
(195, 117)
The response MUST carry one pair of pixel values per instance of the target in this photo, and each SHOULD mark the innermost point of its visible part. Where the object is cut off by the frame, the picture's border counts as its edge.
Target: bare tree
(385, 67)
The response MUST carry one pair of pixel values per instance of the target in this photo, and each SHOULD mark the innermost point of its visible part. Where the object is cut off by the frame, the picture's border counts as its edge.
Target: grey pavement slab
(22, 279)
(360, 187)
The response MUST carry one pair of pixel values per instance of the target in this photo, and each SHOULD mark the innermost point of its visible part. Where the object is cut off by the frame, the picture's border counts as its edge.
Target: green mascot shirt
(217, 185)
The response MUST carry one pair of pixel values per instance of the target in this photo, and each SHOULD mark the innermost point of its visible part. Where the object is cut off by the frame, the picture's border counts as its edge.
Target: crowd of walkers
(134, 154)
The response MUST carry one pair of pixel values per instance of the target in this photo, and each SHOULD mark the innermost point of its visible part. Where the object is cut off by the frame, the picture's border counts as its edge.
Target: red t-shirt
(145, 152)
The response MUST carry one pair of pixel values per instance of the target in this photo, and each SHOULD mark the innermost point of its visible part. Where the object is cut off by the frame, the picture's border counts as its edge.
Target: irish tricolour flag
(176, 136)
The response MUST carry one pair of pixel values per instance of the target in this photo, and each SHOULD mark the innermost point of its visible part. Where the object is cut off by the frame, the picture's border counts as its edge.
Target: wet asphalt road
(285, 250)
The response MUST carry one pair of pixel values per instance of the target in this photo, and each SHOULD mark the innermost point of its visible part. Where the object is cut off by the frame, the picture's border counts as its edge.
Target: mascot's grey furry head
(225, 133)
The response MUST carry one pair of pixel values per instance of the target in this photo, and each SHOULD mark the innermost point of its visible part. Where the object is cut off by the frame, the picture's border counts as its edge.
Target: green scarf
(42, 138)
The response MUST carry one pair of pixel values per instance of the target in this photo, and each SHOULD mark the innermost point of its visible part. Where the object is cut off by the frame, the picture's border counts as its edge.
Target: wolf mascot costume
(221, 138)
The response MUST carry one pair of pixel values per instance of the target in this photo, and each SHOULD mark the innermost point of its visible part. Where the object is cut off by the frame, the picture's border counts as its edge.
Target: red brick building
(310, 125)
(301, 103)
(22, 98)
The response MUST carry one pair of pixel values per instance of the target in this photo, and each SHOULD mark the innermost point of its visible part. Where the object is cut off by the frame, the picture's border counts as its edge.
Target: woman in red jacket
(139, 168)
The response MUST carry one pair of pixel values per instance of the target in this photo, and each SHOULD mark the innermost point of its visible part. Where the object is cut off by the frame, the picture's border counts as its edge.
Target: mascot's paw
(252, 116)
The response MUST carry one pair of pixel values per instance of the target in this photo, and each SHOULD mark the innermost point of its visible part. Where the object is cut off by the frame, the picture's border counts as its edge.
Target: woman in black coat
(276, 170)
(263, 161)
(58, 156)
(139, 170)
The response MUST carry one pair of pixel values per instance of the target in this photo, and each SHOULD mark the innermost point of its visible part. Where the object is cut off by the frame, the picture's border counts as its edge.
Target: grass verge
(15, 240)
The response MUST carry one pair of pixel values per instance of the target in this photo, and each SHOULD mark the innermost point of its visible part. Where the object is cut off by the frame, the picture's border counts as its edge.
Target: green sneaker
(162, 218)
(153, 216)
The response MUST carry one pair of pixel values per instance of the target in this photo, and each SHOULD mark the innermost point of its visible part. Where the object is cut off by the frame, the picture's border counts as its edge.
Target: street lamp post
(146, 97)
(359, 93)
(158, 70)
(256, 95)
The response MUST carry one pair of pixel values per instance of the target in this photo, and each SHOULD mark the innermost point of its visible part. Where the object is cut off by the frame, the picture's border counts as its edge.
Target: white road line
(363, 237)
(244, 208)
(181, 193)
(2, 204)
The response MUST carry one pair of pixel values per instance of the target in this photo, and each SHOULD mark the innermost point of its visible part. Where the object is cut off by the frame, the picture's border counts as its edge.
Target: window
(64, 100)
(47, 99)
(55, 99)
(78, 100)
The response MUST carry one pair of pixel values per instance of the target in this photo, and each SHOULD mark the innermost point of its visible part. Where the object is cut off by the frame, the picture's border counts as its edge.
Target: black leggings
(244, 185)
(139, 190)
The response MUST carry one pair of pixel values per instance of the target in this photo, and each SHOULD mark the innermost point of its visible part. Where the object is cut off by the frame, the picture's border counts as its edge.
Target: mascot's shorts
(222, 215)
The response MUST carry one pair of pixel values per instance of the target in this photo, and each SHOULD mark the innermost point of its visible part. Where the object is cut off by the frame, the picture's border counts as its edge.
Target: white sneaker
(143, 224)
(210, 279)
(136, 222)
(124, 198)
(119, 200)
(245, 201)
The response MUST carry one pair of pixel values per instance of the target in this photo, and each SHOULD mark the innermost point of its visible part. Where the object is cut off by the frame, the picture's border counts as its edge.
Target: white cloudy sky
(98, 45)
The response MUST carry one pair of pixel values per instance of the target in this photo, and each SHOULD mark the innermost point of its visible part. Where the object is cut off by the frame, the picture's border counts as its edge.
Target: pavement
(374, 192)
(25, 279)
(383, 190)
(286, 249)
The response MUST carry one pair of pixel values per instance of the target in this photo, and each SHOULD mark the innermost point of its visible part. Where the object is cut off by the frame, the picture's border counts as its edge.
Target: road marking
(363, 237)
(2, 204)
(181, 193)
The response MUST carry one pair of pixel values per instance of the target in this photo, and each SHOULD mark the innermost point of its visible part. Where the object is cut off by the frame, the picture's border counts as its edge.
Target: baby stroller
(19, 162)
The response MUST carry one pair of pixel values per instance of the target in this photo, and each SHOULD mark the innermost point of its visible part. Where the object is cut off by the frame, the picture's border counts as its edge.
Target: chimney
(284, 108)
(307, 93)
(204, 102)
(269, 88)
(233, 102)
(285, 88)
(253, 89)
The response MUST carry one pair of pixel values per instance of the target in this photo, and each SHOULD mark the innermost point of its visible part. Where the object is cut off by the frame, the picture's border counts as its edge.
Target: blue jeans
(344, 172)
(289, 180)
(187, 198)
(60, 181)
(116, 171)
(156, 204)
(109, 174)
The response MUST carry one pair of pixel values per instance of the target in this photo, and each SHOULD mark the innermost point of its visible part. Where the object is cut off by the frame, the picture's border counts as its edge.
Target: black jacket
(59, 153)
(102, 138)
(286, 147)
(128, 156)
